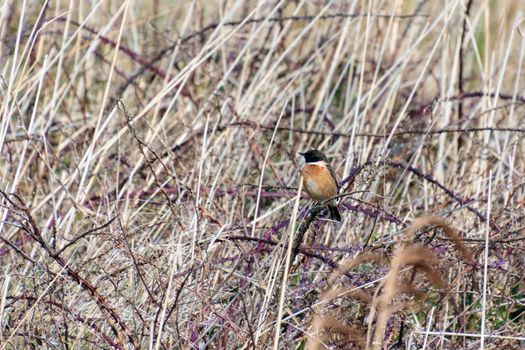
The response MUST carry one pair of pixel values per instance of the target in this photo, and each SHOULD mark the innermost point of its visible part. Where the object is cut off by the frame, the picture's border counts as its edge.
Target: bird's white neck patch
(321, 162)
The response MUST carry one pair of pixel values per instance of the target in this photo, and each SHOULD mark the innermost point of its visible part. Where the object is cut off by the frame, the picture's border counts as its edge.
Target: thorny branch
(122, 331)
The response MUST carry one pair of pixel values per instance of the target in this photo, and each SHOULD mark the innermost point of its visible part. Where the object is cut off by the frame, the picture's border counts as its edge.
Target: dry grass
(149, 174)
(395, 286)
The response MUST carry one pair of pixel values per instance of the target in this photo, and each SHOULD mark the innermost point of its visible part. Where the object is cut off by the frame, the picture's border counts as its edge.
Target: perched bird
(320, 181)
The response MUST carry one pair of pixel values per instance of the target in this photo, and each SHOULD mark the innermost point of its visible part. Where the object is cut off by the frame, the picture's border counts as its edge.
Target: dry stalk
(419, 257)
(325, 324)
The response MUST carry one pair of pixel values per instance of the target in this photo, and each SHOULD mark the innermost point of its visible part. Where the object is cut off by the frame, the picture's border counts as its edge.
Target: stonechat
(320, 181)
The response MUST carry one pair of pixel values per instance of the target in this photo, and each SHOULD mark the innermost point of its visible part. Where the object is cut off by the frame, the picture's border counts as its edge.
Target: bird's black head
(313, 156)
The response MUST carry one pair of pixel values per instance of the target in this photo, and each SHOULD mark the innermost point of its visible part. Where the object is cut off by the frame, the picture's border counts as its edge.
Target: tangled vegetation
(150, 195)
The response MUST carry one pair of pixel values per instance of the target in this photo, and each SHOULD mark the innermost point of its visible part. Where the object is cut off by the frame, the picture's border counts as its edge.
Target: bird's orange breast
(318, 182)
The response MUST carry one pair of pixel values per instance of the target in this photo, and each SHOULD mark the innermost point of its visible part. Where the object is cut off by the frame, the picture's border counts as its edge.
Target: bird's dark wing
(334, 176)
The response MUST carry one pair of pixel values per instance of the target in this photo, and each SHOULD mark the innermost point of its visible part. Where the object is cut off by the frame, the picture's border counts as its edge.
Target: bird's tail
(334, 213)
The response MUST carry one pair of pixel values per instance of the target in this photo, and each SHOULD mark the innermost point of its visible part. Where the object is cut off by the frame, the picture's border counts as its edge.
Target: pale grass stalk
(512, 113)
(416, 85)
(169, 68)
(13, 186)
(56, 100)
(380, 58)
(204, 151)
(261, 178)
(269, 291)
(251, 41)
(270, 213)
(287, 264)
(470, 335)
(475, 49)
(493, 103)
(60, 66)
(8, 105)
(485, 264)
(88, 158)
(35, 31)
(165, 303)
(7, 280)
(429, 325)
(335, 59)
(255, 35)
(263, 80)
(359, 92)
(446, 324)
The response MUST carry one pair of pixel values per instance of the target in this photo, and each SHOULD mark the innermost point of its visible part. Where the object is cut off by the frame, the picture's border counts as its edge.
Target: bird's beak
(301, 153)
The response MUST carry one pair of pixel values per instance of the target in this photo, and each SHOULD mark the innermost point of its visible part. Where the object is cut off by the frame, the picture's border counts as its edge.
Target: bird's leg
(317, 208)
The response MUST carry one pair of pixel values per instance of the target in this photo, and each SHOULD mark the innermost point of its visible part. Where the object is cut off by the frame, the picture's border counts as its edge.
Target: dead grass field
(149, 174)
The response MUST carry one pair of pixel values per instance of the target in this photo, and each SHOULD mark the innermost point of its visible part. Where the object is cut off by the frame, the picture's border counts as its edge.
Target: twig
(90, 323)
(380, 136)
(142, 146)
(461, 64)
(150, 65)
(85, 234)
(463, 202)
(100, 300)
